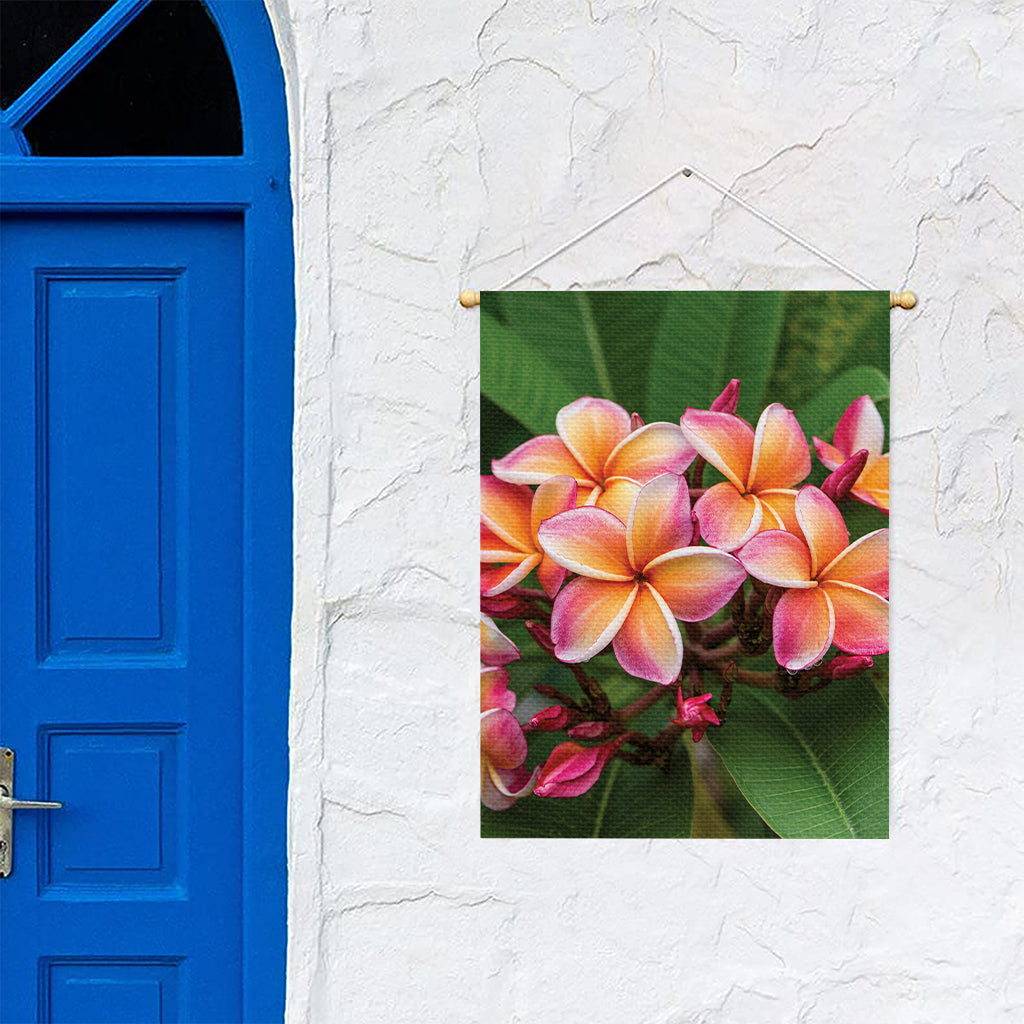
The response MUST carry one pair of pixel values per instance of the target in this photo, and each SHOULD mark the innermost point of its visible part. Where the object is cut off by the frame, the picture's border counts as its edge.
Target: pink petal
(591, 428)
(831, 458)
(551, 575)
(723, 439)
(496, 580)
(860, 427)
(500, 788)
(502, 741)
(494, 549)
(780, 457)
(618, 496)
(588, 541)
(586, 615)
(505, 510)
(862, 619)
(872, 486)
(728, 519)
(695, 582)
(556, 494)
(650, 451)
(802, 628)
(537, 459)
(494, 691)
(865, 563)
(648, 644)
(822, 526)
(659, 520)
(495, 647)
(778, 558)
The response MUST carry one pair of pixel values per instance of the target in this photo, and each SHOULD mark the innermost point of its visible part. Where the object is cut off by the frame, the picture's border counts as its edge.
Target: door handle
(9, 804)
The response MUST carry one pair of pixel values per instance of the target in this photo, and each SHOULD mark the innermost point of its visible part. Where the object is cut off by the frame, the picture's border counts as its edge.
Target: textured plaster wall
(448, 144)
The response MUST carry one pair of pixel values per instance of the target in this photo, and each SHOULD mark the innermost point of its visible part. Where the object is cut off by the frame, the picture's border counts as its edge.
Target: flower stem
(648, 700)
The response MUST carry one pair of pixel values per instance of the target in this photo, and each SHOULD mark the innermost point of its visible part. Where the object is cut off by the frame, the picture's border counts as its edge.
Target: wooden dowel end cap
(468, 299)
(905, 300)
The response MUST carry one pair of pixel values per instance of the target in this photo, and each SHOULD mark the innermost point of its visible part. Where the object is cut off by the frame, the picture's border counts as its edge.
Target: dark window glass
(163, 87)
(34, 34)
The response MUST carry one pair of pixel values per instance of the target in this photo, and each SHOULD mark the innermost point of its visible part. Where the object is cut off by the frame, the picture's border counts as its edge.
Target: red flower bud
(549, 720)
(838, 483)
(726, 401)
(590, 731)
(636, 421)
(541, 634)
(571, 770)
(846, 666)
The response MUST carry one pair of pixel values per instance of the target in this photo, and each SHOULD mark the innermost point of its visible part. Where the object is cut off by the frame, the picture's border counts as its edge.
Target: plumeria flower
(503, 779)
(835, 592)
(510, 515)
(598, 448)
(694, 713)
(495, 647)
(860, 427)
(761, 467)
(635, 580)
(571, 769)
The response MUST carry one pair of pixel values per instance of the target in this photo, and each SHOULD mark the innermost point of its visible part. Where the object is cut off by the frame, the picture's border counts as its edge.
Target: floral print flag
(684, 564)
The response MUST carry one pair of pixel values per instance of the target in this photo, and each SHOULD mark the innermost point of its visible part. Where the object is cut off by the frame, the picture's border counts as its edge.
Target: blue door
(120, 485)
(145, 424)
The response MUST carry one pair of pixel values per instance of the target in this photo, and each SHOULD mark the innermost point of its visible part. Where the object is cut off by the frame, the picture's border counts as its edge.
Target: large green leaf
(628, 802)
(813, 768)
(519, 378)
(707, 338)
(820, 413)
(558, 328)
(825, 334)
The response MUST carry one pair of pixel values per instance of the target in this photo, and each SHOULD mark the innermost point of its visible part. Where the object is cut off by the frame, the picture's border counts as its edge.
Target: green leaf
(823, 335)
(525, 382)
(558, 328)
(813, 768)
(820, 414)
(707, 338)
(628, 802)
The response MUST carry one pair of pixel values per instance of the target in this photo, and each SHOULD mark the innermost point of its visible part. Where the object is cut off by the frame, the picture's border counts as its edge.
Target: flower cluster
(626, 543)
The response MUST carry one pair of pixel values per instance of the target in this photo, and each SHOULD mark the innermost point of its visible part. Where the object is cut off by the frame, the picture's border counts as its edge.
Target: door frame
(256, 185)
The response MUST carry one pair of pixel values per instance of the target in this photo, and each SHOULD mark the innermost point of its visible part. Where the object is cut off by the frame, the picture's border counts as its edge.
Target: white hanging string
(904, 299)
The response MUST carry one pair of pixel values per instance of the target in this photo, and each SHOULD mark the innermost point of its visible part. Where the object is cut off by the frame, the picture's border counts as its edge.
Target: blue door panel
(121, 614)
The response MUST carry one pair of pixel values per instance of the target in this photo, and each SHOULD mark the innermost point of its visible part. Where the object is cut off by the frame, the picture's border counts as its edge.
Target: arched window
(145, 509)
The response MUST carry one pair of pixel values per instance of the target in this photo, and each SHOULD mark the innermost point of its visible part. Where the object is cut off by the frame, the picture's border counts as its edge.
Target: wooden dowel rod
(897, 300)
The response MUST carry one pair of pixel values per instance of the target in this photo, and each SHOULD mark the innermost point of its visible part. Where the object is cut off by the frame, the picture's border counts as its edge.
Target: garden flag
(684, 564)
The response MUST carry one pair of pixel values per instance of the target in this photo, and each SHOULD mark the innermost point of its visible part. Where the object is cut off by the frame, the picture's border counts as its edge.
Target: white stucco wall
(447, 144)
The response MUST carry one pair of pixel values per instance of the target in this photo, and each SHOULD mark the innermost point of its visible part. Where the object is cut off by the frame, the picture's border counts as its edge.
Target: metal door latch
(8, 805)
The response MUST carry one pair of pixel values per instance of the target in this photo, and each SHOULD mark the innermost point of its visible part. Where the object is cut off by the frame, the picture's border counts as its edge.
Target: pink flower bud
(635, 421)
(694, 713)
(549, 720)
(541, 634)
(846, 666)
(590, 731)
(502, 606)
(695, 539)
(838, 483)
(726, 401)
(571, 770)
